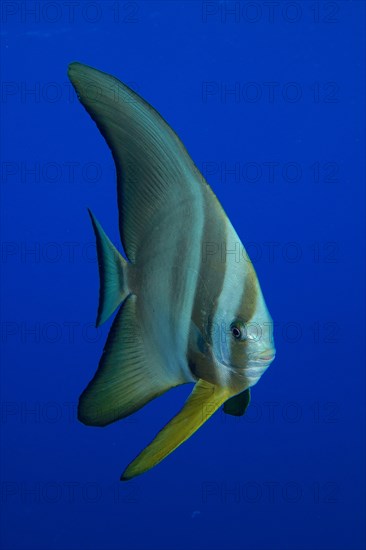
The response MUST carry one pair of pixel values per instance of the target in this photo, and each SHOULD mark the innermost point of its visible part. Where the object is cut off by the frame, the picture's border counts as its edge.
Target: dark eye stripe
(249, 297)
(238, 353)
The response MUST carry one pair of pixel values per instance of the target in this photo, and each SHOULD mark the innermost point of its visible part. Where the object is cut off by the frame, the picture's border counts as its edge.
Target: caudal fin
(112, 272)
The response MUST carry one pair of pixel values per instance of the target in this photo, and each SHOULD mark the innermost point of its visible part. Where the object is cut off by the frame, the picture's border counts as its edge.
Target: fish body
(190, 305)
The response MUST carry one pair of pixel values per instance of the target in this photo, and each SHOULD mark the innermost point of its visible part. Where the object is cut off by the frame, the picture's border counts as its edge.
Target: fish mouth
(256, 366)
(256, 361)
(265, 356)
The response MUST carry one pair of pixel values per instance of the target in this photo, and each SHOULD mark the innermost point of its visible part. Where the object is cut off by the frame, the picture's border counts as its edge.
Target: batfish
(190, 305)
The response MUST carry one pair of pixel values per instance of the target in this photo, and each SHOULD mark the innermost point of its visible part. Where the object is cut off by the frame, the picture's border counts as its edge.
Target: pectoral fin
(204, 400)
(237, 405)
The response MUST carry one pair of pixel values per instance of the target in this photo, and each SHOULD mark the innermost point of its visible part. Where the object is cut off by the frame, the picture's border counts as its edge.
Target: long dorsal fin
(155, 174)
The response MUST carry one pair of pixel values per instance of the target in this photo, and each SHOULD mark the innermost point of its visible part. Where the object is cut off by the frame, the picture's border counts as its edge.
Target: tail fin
(112, 272)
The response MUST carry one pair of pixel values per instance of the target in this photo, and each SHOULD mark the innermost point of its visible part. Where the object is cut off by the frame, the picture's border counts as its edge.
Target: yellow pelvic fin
(204, 400)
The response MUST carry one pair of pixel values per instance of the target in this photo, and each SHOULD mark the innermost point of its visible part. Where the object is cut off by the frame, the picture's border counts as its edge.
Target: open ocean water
(269, 99)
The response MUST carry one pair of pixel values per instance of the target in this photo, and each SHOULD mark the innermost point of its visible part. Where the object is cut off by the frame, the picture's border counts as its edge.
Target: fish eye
(237, 331)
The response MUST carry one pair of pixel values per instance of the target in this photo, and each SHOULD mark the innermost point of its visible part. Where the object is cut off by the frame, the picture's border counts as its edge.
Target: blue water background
(291, 474)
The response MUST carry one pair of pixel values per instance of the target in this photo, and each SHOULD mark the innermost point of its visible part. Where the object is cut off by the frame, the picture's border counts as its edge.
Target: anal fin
(128, 375)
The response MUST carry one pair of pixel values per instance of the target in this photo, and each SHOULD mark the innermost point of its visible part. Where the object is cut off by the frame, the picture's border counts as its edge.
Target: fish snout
(266, 356)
